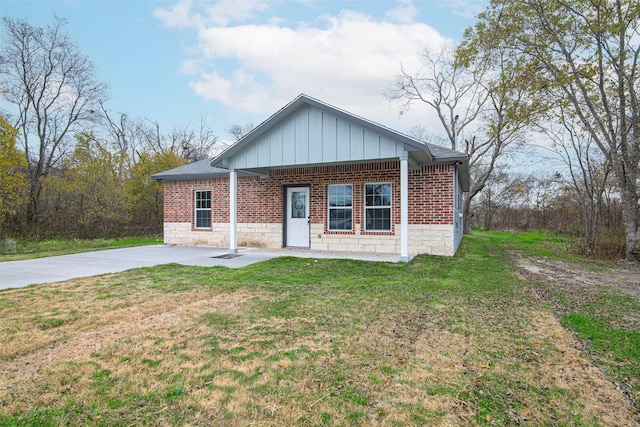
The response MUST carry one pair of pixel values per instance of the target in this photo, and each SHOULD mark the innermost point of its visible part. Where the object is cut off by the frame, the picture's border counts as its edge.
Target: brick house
(314, 176)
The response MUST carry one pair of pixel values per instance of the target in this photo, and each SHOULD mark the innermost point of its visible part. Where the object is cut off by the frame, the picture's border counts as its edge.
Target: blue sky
(240, 61)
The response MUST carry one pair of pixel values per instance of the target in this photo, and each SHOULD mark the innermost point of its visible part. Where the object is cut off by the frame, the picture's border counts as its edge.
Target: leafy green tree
(87, 198)
(145, 196)
(13, 165)
(583, 56)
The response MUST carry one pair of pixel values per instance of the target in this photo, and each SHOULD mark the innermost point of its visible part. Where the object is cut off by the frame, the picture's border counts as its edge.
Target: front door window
(298, 204)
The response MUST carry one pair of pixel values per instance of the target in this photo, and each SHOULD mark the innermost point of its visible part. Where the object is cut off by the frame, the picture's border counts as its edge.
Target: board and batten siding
(312, 136)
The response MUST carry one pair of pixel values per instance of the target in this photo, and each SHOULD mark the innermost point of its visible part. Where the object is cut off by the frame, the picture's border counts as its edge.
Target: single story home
(315, 176)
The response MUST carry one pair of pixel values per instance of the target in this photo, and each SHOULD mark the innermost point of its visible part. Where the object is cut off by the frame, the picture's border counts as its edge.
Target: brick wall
(260, 200)
(431, 195)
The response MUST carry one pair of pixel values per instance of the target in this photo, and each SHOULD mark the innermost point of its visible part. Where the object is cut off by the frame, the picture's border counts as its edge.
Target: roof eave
(175, 177)
(188, 176)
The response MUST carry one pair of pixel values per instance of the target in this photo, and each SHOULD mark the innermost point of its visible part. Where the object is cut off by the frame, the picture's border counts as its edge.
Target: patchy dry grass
(461, 341)
(601, 306)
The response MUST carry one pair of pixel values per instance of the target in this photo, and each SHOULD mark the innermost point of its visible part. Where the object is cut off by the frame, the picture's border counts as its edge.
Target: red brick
(431, 193)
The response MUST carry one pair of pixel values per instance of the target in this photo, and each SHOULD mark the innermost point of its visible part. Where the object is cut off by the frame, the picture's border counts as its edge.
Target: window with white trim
(377, 206)
(203, 209)
(340, 200)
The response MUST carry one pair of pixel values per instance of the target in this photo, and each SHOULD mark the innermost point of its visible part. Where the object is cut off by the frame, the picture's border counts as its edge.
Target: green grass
(13, 249)
(437, 341)
(538, 243)
(615, 348)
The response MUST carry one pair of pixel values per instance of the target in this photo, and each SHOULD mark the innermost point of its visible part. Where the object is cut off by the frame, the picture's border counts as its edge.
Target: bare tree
(587, 171)
(192, 144)
(54, 90)
(517, 201)
(121, 129)
(455, 93)
(424, 134)
(138, 136)
(238, 131)
(478, 99)
(498, 193)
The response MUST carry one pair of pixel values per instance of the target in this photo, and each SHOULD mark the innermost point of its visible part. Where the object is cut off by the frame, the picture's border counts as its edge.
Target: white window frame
(197, 209)
(389, 207)
(329, 208)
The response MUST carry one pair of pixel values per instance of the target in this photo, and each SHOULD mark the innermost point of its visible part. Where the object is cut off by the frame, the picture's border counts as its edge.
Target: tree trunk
(630, 219)
(466, 213)
(590, 226)
(32, 206)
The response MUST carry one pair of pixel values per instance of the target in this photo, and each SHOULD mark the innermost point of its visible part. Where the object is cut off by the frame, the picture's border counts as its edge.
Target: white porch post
(404, 208)
(233, 212)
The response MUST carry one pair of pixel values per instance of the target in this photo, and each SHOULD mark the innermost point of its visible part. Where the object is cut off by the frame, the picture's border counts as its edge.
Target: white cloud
(227, 11)
(406, 12)
(191, 66)
(179, 15)
(221, 13)
(347, 61)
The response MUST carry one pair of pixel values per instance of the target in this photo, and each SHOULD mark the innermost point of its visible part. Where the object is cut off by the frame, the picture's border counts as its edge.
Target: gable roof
(424, 153)
(309, 132)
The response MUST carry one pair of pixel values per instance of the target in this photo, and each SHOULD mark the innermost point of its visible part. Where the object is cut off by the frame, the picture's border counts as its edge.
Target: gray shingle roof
(441, 153)
(195, 170)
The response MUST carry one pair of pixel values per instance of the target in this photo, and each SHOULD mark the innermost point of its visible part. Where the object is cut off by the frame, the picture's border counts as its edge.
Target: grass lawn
(467, 340)
(14, 250)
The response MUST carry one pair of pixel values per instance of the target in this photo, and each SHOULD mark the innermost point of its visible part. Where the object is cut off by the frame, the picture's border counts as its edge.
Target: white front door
(297, 217)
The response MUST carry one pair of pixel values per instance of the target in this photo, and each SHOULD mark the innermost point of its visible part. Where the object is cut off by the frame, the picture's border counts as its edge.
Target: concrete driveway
(17, 274)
